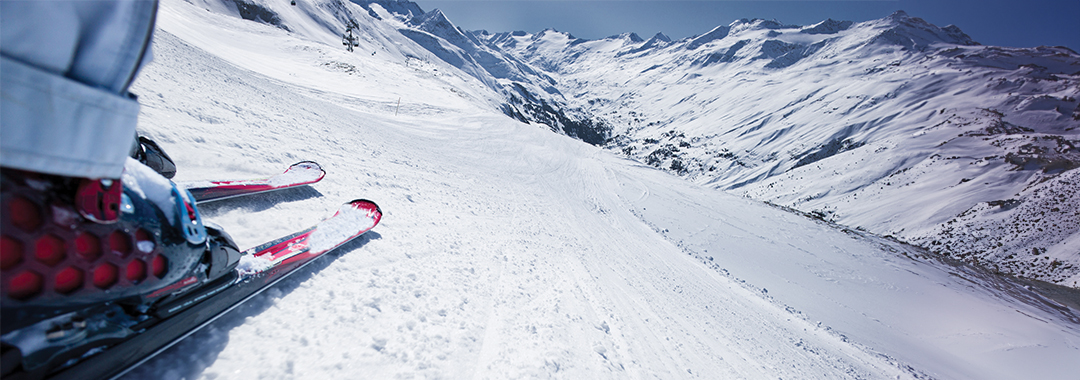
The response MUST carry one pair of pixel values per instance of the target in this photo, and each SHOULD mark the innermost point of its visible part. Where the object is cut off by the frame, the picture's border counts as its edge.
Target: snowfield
(508, 251)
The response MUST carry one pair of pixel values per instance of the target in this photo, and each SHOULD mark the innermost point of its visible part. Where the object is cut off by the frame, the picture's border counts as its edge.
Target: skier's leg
(65, 68)
(88, 234)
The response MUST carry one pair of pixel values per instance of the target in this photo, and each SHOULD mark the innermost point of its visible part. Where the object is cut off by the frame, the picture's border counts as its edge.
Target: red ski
(125, 338)
(299, 174)
(351, 220)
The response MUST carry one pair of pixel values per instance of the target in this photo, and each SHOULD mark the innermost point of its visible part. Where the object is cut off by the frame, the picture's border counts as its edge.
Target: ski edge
(226, 189)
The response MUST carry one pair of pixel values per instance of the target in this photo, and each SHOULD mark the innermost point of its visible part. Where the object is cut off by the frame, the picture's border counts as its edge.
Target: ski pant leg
(65, 68)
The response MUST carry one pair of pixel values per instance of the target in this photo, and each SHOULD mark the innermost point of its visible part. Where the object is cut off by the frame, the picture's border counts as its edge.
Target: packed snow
(348, 222)
(509, 251)
(251, 264)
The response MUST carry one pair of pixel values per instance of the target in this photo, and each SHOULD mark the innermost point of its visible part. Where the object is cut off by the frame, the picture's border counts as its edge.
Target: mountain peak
(915, 33)
(759, 23)
(436, 16)
(405, 8)
(713, 35)
(829, 26)
(899, 14)
(657, 40)
(742, 25)
(553, 30)
(633, 37)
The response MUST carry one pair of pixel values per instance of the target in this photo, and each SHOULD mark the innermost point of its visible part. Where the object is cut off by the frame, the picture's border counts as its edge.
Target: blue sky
(1016, 23)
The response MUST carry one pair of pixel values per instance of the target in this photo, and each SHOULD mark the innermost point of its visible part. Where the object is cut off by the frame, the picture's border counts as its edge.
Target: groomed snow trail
(507, 251)
(503, 254)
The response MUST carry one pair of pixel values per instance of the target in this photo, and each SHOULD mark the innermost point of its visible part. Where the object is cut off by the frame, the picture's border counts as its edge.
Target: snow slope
(895, 126)
(508, 251)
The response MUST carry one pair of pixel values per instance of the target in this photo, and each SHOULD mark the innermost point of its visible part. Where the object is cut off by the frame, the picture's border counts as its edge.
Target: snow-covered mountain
(529, 95)
(508, 251)
(515, 88)
(894, 126)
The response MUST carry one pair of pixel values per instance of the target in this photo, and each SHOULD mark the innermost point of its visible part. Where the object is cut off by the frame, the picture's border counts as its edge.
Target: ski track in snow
(507, 251)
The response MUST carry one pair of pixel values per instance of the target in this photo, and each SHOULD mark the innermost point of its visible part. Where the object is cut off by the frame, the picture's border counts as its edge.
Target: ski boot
(150, 154)
(87, 263)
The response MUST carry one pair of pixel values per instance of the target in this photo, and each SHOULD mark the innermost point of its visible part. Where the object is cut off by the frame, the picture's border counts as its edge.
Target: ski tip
(364, 203)
(305, 166)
